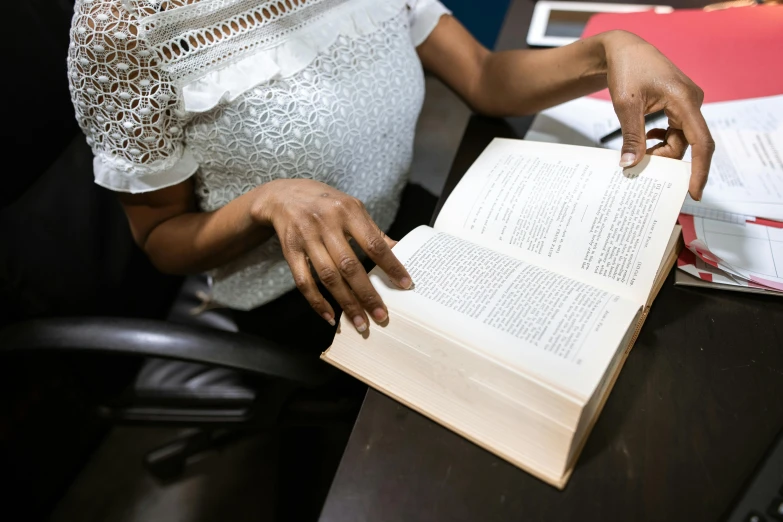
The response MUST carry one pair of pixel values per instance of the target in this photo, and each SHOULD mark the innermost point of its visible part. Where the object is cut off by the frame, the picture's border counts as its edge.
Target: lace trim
(237, 76)
(195, 39)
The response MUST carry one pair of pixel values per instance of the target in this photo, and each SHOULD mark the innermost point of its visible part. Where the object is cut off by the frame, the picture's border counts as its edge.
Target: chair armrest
(166, 340)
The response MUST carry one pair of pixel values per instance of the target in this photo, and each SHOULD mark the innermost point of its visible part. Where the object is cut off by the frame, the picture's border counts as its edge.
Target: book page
(571, 210)
(544, 324)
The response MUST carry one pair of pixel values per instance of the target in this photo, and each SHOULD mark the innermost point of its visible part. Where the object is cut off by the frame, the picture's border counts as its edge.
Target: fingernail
(328, 318)
(627, 159)
(379, 314)
(359, 323)
(406, 282)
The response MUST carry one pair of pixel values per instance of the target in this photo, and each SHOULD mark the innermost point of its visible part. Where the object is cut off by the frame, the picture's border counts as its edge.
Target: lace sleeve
(124, 102)
(425, 15)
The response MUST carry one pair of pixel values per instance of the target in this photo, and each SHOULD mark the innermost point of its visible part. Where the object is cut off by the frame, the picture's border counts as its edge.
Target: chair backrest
(65, 245)
(65, 250)
(38, 122)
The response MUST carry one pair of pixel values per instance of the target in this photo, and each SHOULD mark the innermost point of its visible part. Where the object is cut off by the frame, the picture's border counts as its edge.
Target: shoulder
(425, 15)
(105, 10)
(115, 20)
(106, 31)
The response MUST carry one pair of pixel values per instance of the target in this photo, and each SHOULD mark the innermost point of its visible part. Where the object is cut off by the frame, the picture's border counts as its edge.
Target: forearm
(194, 242)
(515, 83)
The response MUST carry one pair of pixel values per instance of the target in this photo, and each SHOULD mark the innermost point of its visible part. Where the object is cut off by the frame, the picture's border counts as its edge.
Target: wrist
(263, 204)
(601, 49)
(611, 42)
(596, 61)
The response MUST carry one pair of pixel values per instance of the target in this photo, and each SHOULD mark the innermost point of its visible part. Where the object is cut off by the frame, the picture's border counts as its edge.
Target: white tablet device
(560, 23)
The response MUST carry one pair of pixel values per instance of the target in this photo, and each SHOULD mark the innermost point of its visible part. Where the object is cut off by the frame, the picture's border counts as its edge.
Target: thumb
(634, 136)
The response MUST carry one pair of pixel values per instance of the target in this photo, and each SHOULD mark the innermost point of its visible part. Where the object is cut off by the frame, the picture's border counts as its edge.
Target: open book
(528, 294)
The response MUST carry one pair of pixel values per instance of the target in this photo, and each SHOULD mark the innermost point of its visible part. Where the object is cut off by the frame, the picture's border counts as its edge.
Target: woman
(252, 139)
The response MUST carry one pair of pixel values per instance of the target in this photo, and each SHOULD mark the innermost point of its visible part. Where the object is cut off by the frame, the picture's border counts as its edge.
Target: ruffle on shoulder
(288, 57)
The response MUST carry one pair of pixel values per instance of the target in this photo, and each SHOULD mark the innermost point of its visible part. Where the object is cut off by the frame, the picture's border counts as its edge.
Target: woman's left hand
(524, 81)
(641, 80)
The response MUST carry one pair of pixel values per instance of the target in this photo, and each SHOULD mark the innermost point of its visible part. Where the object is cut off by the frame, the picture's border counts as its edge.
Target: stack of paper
(744, 256)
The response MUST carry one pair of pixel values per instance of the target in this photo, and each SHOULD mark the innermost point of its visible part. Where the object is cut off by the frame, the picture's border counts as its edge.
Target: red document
(732, 53)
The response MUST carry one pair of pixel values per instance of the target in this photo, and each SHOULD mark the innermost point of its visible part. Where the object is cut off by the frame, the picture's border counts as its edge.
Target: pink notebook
(731, 54)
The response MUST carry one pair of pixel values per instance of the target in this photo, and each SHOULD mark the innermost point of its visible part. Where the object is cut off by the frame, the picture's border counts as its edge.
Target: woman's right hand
(314, 223)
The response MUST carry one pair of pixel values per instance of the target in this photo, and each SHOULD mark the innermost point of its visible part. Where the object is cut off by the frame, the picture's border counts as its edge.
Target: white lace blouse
(242, 92)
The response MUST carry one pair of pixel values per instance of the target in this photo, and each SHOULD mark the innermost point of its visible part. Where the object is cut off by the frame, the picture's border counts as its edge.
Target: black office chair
(55, 244)
(72, 282)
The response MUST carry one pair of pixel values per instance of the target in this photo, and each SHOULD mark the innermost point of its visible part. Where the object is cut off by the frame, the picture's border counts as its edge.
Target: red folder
(732, 53)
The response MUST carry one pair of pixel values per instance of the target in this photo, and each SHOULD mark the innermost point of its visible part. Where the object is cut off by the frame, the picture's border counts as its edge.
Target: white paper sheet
(746, 177)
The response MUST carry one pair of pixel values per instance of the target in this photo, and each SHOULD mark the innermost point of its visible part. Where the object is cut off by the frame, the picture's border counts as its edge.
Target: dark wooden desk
(695, 407)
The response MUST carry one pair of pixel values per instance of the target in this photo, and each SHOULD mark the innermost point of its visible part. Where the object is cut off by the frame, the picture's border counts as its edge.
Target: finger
(656, 134)
(330, 276)
(389, 241)
(353, 273)
(674, 145)
(374, 243)
(654, 148)
(630, 112)
(702, 148)
(304, 281)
